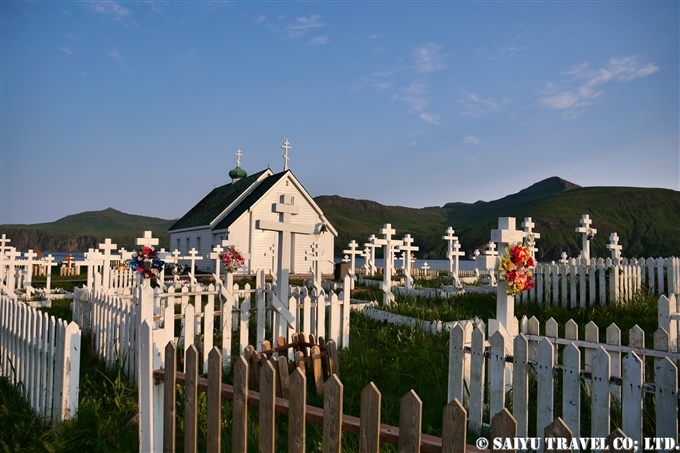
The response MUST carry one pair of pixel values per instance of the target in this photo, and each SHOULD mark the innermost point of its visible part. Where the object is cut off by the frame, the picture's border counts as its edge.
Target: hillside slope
(78, 232)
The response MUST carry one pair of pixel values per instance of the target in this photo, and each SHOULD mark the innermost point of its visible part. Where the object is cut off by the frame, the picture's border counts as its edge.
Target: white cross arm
(280, 226)
(283, 311)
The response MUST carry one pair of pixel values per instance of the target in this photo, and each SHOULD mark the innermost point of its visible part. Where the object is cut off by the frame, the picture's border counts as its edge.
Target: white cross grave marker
(93, 259)
(456, 253)
(563, 258)
(28, 282)
(370, 259)
(407, 247)
(147, 240)
(530, 236)
(3, 248)
(12, 256)
(449, 237)
(366, 256)
(615, 248)
(506, 234)
(194, 256)
(386, 242)
(345, 259)
(285, 228)
(107, 247)
(285, 146)
(314, 255)
(352, 252)
(587, 233)
(48, 262)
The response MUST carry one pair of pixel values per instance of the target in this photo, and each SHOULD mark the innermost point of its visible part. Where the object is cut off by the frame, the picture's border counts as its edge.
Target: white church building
(250, 213)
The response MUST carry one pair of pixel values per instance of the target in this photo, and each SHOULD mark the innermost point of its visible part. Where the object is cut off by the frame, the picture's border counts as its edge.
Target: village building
(233, 213)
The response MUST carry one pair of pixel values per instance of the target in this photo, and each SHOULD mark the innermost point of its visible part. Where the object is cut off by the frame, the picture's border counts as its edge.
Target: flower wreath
(146, 262)
(591, 234)
(514, 268)
(232, 259)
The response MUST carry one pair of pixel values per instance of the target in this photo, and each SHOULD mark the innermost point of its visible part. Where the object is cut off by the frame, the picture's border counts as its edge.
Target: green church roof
(210, 207)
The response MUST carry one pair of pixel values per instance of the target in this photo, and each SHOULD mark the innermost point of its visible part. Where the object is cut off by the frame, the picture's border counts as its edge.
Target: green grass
(395, 359)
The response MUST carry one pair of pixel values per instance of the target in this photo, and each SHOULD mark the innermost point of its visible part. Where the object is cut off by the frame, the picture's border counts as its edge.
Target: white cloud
(430, 118)
(260, 19)
(110, 8)
(428, 58)
(374, 36)
(582, 88)
(115, 55)
(67, 50)
(302, 25)
(318, 41)
(473, 105)
(471, 139)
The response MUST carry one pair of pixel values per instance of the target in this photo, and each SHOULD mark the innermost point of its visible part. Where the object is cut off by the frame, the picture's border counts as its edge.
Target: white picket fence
(610, 369)
(113, 320)
(42, 354)
(574, 284)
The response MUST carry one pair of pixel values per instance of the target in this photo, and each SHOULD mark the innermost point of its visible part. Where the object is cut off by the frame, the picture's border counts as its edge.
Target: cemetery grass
(106, 419)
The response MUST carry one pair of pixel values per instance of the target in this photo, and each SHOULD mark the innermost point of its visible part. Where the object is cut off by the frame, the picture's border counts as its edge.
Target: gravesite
(240, 309)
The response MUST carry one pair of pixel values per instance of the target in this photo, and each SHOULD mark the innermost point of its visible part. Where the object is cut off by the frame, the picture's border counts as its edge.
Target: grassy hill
(78, 232)
(646, 220)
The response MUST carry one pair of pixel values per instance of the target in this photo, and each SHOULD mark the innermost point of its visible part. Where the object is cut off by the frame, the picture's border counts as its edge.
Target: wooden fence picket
(631, 395)
(410, 423)
(240, 406)
(477, 365)
(557, 430)
(544, 378)
(267, 404)
(571, 389)
(666, 398)
(454, 428)
(503, 426)
(191, 397)
(297, 411)
(332, 420)
(369, 428)
(600, 393)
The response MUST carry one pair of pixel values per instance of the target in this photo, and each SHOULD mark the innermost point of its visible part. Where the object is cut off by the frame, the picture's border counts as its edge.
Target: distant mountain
(78, 232)
(646, 220)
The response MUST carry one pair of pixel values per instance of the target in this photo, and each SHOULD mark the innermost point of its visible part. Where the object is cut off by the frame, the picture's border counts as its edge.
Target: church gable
(214, 204)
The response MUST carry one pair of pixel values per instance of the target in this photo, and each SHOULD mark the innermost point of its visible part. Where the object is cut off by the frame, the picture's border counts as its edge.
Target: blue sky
(141, 106)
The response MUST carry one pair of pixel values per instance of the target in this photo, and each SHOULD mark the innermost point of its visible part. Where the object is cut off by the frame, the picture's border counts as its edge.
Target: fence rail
(42, 354)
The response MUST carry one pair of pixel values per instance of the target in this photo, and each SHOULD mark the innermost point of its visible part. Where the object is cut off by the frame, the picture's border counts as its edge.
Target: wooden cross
(93, 259)
(370, 258)
(69, 260)
(353, 252)
(285, 229)
(314, 255)
(506, 234)
(12, 256)
(107, 247)
(425, 267)
(193, 257)
(367, 257)
(48, 261)
(216, 255)
(238, 157)
(530, 236)
(30, 255)
(585, 231)
(491, 249)
(147, 240)
(387, 231)
(272, 252)
(345, 259)
(285, 146)
(615, 247)
(3, 247)
(449, 237)
(407, 247)
(563, 258)
(455, 254)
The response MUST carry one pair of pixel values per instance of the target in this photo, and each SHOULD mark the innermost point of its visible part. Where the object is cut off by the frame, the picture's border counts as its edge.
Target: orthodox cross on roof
(285, 146)
(238, 157)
